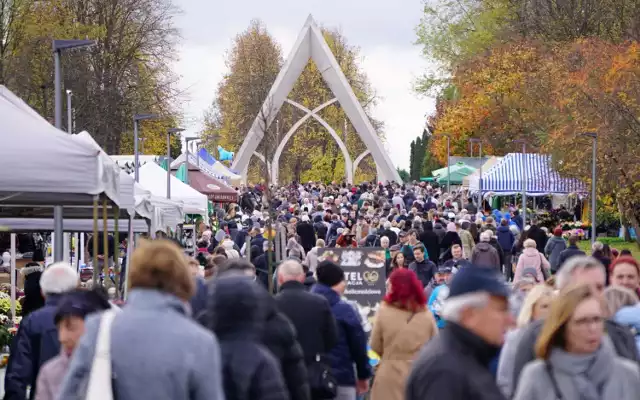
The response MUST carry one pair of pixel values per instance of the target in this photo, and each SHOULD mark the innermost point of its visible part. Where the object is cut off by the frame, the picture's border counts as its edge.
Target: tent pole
(130, 245)
(94, 261)
(116, 250)
(105, 242)
(13, 271)
(76, 252)
(82, 260)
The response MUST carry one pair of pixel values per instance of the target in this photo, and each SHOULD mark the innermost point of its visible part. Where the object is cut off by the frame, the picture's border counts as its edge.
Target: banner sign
(364, 273)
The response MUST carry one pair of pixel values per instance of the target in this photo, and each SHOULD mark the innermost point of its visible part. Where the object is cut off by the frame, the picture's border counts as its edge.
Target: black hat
(478, 279)
(81, 303)
(329, 274)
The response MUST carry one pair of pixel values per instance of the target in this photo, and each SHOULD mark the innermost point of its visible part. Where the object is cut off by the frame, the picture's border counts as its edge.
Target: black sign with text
(364, 273)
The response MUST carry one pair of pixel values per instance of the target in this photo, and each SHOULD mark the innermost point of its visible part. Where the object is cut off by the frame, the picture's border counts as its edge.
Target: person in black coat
(571, 251)
(431, 241)
(307, 234)
(319, 227)
(310, 313)
(238, 317)
(33, 299)
(393, 238)
(539, 236)
(279, 335)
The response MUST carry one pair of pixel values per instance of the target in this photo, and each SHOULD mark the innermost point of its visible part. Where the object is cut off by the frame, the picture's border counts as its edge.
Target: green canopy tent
(458, 172)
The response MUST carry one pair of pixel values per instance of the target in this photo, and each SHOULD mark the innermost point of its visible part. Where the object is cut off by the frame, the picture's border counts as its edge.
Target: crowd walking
(479, 304)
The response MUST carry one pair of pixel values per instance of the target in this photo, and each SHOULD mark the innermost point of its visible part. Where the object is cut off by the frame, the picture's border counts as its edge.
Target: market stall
(457, 172)
(209, 165)
(215, 190)
(42, 167)
(154, 179)
(505, 178)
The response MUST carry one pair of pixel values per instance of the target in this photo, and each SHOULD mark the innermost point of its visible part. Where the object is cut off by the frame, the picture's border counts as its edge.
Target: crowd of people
(480, 304)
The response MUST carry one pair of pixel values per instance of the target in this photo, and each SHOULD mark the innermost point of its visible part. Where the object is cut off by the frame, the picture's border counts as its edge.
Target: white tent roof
(40, 164)
(154, 178)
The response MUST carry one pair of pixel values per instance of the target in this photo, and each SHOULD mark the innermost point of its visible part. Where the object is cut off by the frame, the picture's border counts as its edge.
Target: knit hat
(329, 274)
(477, 279)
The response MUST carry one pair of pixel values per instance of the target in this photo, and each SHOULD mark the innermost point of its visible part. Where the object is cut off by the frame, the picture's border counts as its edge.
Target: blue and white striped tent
(505, 177)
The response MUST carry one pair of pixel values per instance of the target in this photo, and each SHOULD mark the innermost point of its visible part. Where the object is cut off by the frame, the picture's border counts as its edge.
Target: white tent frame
(311, 45)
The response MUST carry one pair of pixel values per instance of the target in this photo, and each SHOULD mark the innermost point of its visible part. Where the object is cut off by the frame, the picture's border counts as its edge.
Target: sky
(383, 30)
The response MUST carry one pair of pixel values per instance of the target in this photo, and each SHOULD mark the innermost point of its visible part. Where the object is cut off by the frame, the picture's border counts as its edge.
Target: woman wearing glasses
(575, 360)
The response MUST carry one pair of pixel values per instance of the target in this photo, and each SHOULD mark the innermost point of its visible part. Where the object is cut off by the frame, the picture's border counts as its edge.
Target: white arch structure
(311, 45)
(275, 164)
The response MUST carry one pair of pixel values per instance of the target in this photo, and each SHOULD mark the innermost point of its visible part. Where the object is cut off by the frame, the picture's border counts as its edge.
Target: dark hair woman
(402, 326)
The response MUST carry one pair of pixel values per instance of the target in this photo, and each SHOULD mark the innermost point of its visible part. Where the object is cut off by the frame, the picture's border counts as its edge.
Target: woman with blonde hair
(535, 307)
(575, 360)
(154, 326)
(618, 297)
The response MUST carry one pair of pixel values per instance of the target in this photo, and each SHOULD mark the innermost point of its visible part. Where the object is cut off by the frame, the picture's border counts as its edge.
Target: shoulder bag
(545, 272)
(100, 378)
(321, 380)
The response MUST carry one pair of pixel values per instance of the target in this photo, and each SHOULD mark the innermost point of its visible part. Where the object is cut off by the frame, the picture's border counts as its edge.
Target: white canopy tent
(41, 165)
(154, 179)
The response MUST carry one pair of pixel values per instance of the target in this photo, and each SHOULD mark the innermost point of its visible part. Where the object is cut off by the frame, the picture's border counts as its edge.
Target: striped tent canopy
(505, 177)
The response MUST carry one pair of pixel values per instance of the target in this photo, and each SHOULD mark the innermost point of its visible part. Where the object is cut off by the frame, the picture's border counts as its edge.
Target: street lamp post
(594, 150)
(69, 113)
(137, 118)
(170, 131)
(473, 140)
(58, 47)
(524, 180)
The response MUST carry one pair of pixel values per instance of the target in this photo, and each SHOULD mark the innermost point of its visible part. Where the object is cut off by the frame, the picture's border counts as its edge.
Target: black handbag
(322, 382)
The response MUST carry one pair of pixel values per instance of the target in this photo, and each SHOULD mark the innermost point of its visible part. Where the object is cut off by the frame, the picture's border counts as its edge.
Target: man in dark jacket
(506, 239)
(569, 252)
(393, 238)
(256, 239)
(424, 268)
(439, 230)
(454, 365)
(517, 219)
(279, 335)
(310, 313)
(37, 339)
(352, 341)
(307, 233)
(431, 242)
(578, 270)
(319, 227)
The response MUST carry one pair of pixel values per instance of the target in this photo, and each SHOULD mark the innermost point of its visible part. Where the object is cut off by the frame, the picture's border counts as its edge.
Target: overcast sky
(383, 30)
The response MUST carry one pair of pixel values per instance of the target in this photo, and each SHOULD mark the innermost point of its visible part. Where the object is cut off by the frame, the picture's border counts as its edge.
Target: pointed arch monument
(311, 45)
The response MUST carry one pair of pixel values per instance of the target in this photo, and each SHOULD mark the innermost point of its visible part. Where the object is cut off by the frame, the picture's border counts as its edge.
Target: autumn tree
(127, 72)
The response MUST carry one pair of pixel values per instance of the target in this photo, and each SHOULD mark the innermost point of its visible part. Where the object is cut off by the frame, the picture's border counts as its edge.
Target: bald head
(290, 270)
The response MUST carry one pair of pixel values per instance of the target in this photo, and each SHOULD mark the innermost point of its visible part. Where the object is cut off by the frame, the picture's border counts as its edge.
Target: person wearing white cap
(39, 327)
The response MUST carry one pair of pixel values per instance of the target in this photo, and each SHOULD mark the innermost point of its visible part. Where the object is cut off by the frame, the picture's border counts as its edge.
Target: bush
(611, 240)
(5, 307)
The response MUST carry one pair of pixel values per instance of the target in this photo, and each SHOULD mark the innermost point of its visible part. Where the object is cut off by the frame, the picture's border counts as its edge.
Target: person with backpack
(531, 258)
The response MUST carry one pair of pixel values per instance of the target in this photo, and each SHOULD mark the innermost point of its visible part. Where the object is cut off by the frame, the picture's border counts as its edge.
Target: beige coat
(467, 243)
(398, 343)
